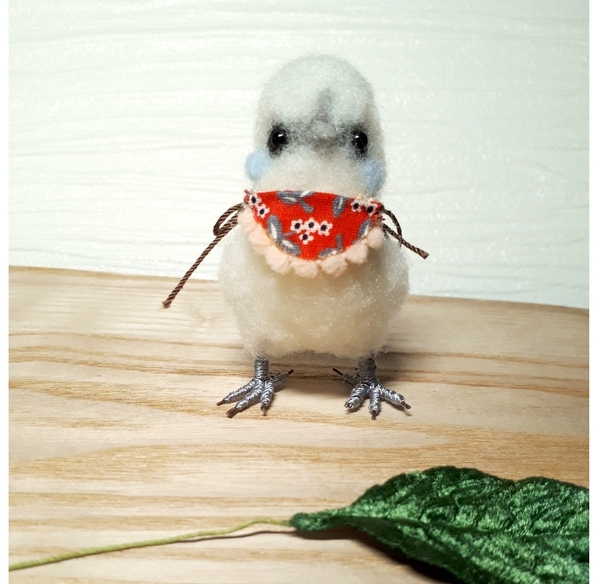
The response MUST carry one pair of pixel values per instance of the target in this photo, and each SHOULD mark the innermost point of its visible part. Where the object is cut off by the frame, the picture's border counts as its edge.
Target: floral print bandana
(306, 231)
(309, 231)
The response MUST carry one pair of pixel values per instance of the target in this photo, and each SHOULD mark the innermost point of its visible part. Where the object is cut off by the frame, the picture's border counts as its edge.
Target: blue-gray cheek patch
(257, 164)
(373, 175)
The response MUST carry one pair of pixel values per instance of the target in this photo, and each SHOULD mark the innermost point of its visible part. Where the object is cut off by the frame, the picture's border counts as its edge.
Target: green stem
(139, 544)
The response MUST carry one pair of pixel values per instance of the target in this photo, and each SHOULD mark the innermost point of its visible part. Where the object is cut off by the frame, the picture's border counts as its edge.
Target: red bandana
(307, 230)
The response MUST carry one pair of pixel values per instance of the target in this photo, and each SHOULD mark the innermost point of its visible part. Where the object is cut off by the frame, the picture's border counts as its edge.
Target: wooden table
(115, 435)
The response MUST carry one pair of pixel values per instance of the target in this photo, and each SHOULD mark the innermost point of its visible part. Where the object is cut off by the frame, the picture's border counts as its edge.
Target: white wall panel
(130, 122)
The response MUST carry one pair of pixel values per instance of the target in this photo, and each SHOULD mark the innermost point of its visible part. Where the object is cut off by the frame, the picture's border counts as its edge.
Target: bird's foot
(365, 384)
(260, 388)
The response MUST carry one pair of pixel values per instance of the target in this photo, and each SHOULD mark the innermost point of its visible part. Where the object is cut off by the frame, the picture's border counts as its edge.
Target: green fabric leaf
(480, 528)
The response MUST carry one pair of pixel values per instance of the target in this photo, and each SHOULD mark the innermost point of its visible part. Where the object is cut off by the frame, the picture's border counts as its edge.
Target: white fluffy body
(319, 98)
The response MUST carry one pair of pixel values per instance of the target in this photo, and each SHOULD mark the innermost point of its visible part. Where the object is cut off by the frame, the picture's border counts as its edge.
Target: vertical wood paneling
(130, 123)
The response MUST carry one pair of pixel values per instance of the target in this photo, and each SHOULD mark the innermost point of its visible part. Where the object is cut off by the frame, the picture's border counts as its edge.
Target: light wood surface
(115, 435)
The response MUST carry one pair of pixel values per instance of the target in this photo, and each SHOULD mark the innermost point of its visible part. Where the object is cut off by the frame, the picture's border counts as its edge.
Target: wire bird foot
(261, 388)
(365, 383)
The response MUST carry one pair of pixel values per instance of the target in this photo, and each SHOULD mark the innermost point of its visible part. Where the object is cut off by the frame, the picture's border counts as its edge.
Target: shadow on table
(433, 572)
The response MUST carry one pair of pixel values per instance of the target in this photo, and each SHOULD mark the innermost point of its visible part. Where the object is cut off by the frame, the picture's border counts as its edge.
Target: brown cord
(228, 220)
(225, 223)
(398, 234)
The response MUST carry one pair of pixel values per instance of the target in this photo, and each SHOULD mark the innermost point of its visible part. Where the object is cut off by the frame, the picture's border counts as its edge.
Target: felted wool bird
(310, 265)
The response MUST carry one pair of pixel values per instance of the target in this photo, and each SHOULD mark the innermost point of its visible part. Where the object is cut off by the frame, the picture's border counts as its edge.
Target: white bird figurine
(311, 267)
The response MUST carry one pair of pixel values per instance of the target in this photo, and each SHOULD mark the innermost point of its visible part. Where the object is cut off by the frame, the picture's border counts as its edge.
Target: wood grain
(115, 435)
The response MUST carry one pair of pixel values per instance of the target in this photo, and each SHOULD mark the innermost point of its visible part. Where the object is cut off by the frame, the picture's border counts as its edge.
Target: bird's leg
(259, 389)
(365, 384)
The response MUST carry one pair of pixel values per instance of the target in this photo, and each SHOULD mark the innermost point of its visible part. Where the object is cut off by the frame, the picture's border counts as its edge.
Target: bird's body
(280, 314)
(317, 130)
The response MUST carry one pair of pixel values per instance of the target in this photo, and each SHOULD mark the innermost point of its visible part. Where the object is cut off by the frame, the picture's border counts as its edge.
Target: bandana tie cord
(225, 223)
(398, 234)
(229, 219)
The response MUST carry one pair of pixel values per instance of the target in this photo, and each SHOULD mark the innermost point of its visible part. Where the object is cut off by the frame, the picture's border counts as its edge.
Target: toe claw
(347, 378)
(394, 398)
(266, 397)
(352, 403)
(374, 412)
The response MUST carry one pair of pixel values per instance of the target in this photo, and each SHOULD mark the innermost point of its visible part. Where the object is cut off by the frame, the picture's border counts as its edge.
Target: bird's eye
(359, 142)
(278, 140)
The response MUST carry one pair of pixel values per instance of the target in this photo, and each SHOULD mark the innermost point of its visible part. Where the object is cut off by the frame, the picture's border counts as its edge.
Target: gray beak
(322, 133)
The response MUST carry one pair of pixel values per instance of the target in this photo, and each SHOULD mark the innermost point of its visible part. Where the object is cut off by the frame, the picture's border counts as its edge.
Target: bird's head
(318, 129)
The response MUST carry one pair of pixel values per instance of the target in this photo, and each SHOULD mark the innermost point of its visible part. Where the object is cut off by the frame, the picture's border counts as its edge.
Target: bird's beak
(322, 133)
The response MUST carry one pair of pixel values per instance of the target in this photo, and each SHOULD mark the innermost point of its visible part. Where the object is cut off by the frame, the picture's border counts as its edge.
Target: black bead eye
(359, 142)
(278, 140)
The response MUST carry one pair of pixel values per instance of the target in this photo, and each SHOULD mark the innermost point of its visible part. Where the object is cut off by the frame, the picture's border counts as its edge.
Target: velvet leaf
(480, 528)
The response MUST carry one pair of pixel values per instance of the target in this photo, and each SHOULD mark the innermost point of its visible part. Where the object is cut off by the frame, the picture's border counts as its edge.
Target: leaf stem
(145, 543)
